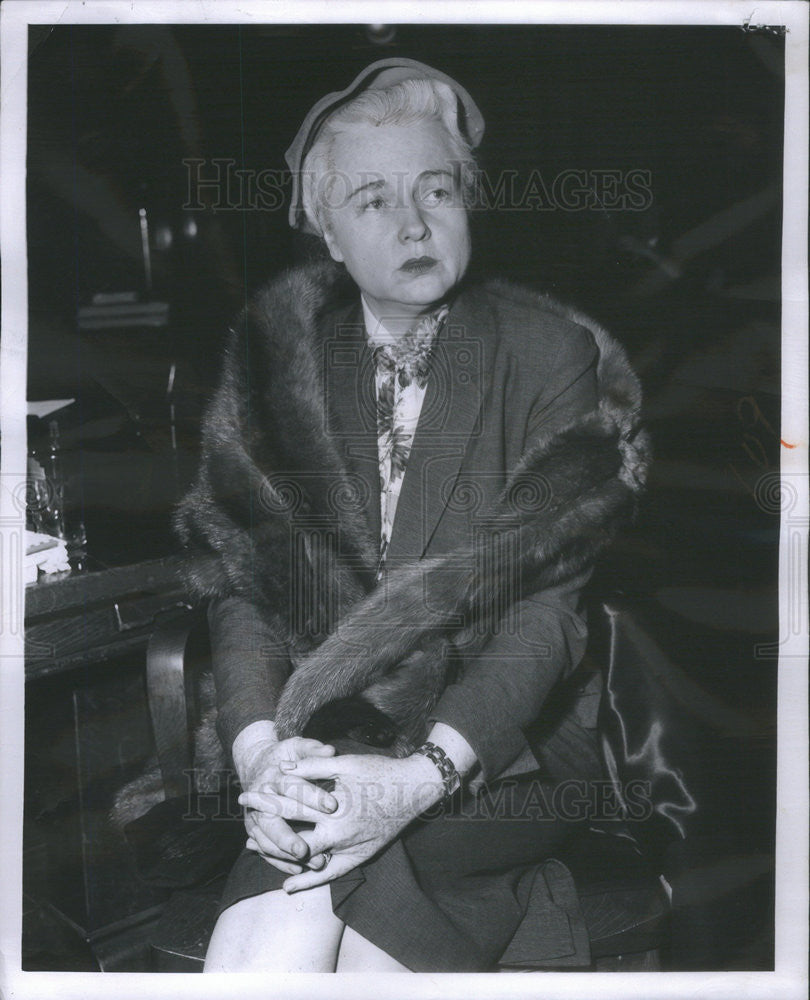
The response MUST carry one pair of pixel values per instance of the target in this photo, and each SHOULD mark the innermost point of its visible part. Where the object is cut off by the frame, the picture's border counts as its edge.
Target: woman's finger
(283, 866)
(268, 803)
(275, 837)
(300, 790)
(265, 844)
(304, 747)
(296, 788)
(297, 800)
(337, 866)
(318, 841)
(313, 767)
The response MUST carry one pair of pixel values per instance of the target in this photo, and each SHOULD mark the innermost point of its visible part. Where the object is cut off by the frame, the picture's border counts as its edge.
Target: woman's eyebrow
(380, 182)
(373, 185)
(434, 173)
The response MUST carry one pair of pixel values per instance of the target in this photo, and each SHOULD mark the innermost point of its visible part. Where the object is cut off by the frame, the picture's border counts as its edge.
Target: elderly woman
(405, 481)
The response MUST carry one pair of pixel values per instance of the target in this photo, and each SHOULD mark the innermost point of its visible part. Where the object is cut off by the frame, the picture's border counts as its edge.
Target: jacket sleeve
(249, 668)
(503, 687)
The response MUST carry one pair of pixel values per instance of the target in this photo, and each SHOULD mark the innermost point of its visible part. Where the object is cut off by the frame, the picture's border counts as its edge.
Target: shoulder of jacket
(529, 320)
(579, 338)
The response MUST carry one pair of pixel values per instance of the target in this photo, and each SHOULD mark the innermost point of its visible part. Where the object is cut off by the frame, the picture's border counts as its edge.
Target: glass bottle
(56, 483)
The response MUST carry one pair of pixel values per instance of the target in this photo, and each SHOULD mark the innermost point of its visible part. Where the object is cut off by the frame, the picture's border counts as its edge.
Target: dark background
(689, 283)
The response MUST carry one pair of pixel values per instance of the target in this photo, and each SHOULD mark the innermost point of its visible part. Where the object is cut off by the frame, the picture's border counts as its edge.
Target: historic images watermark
(27, 498)
(781, 494)
(218, 184)
(526, 800)
(12, 550)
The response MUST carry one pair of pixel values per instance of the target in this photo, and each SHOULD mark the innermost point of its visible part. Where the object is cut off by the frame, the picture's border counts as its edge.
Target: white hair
(403, 103)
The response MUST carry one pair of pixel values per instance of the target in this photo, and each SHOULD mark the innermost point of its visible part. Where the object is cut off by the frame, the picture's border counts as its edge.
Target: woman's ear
(331, 241)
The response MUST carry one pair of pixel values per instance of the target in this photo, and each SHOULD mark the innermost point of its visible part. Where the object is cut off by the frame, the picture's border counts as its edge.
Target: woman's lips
(418, 265)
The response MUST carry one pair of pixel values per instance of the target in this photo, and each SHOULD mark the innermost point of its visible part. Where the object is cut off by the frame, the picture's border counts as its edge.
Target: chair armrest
(170, 707)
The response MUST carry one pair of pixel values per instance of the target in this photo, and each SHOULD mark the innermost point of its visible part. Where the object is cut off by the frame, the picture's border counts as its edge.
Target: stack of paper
(43, 554)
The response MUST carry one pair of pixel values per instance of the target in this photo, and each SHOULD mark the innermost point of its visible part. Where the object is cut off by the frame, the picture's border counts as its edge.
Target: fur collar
(241, 511)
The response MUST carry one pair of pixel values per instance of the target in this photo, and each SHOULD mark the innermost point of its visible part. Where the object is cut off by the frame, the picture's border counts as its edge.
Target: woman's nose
(412, 226)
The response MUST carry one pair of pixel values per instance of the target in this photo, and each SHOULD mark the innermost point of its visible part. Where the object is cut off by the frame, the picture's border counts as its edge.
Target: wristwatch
(447, 769)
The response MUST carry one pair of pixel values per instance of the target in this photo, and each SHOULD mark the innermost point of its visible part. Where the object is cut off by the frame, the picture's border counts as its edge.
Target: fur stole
(262, 439)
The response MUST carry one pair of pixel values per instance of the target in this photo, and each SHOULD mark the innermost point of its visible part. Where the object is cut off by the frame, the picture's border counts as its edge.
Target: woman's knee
(277, 932)
(358, 954)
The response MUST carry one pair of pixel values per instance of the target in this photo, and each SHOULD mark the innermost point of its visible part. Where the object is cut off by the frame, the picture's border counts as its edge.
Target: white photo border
(790, 976)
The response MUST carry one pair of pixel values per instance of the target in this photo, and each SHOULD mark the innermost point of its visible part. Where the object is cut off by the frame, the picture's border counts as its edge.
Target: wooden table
(87, 733)
(74, 620)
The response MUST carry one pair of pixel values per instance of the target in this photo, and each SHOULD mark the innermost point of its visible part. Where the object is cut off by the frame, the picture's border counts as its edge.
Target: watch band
(447, 769)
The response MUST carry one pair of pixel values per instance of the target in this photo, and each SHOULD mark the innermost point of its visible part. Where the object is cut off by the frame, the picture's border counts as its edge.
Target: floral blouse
(402, 368)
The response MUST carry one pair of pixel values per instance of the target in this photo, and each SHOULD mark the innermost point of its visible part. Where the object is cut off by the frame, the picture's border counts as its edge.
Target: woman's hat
(380, 74)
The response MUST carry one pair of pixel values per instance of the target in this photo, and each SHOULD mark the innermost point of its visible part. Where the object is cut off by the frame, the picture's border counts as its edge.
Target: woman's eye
(436, 196)
(375, 204)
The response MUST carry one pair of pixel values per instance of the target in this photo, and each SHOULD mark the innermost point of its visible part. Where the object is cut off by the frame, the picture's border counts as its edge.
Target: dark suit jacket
(505, 370)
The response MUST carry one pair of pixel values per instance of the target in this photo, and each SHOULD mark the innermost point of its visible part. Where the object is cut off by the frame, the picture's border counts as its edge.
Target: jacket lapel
(351, 407)
(451, 414)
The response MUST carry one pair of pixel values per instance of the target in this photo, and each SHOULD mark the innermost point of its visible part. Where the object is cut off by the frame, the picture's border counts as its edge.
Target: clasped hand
(374, 798)
(285, 799)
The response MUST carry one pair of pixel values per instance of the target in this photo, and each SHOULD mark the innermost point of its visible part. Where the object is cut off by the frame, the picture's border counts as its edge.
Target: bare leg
(274, 932)
(358, 954)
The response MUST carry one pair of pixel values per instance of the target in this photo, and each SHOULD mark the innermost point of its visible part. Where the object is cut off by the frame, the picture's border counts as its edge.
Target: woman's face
(395, 215)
